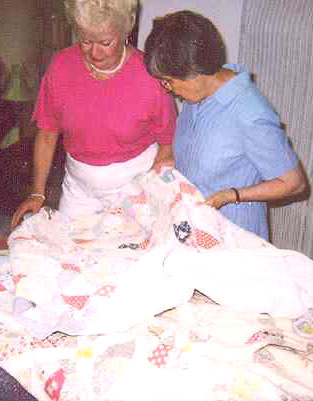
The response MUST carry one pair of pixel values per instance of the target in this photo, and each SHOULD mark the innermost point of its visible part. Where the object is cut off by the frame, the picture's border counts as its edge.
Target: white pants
(88, 189)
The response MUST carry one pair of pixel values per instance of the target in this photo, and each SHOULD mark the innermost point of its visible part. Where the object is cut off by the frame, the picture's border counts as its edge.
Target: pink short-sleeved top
(104, 121)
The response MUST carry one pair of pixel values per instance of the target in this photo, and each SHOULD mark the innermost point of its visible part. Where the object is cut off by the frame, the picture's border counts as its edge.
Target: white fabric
(269, 280)
(89, 276)
(196, 352)
(89, 189)
(3, 259)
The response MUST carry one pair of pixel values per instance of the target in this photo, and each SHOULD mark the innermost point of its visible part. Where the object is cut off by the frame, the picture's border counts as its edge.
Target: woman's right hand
(31, 204)
(44, 147)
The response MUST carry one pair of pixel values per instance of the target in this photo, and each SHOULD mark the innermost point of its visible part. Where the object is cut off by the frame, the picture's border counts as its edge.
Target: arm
(285, 188)
(45, 144)
(164, 128)
(164, 157)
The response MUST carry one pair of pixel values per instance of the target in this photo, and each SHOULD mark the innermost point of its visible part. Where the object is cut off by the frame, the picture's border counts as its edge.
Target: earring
(127, 41)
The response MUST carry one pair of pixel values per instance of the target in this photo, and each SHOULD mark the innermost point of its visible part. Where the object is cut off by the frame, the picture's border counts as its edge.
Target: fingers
(221, 198)
(17, 216)
(15, 220)
(29, 205)
(211, 202)
(216, 200)
(157, 166)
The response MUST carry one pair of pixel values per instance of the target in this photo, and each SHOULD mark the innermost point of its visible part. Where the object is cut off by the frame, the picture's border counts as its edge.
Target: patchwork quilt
(156, 298)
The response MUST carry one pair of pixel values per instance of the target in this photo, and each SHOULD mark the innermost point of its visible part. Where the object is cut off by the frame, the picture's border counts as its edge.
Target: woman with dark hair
(228, 139)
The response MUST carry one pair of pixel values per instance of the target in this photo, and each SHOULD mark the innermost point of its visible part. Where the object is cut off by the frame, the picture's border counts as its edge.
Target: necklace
(114, 69)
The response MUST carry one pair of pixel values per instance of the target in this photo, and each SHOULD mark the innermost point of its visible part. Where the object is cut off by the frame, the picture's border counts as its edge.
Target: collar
(226, 93)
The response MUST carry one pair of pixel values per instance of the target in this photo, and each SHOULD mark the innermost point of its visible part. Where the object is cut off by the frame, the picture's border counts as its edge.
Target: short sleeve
(45, 113)
(165, 117)
(268, 148)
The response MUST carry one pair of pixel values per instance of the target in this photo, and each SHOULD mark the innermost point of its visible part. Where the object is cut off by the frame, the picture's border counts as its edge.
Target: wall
(225, 14)
(18, 33)
(30, 31)
(277, 47)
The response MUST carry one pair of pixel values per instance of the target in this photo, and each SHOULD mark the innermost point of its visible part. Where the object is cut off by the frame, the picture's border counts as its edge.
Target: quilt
(198, 351)
(158, 297)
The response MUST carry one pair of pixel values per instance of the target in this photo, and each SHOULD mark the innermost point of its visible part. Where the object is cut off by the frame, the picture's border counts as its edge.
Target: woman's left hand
(221, 198)
(291, 186)
(164, 158)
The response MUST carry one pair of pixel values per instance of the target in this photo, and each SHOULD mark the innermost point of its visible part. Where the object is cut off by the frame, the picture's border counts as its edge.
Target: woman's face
(102, 48)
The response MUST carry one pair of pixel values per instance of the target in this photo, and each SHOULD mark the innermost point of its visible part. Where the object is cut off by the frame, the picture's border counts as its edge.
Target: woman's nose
(95, 51)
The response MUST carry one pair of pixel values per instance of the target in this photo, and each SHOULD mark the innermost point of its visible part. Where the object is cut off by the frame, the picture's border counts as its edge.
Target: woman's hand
(221, 198)
(32, 204)
(45, 144)
(164, 158)
(287, 188)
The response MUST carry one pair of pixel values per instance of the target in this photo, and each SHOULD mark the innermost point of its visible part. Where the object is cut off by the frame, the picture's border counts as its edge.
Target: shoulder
(136, 57)
(253, 106)
(242, 98)
(64, 59)
(137, 75)
(138, 68)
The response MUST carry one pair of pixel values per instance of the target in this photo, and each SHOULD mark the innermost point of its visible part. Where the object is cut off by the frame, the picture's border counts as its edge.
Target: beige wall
(225, 14)
(18, 34)
(30, 32)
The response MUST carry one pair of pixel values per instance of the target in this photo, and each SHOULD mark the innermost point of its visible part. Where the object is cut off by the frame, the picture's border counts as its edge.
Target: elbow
(303, 190)
(295, 188)
(299, 186)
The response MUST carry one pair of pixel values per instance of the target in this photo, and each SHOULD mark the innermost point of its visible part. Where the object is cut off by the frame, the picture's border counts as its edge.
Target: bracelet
(237, 195)
(35, 195)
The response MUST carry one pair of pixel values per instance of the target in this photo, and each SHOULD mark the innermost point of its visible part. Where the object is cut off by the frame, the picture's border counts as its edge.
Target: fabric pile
(105, 307)
(158, 242)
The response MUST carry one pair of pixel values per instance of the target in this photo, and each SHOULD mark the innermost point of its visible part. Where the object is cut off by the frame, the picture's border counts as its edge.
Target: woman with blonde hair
(116, 120)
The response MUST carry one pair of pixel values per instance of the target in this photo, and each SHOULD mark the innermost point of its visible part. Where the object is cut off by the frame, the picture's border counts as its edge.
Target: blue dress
(233, 139)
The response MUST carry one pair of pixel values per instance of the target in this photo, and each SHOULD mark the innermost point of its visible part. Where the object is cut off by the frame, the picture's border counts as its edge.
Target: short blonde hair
(88, 14)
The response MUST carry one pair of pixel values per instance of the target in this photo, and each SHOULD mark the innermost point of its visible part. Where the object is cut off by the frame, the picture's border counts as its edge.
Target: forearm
(164, 152)
(164, 157)
(45, 145)
(288, 186)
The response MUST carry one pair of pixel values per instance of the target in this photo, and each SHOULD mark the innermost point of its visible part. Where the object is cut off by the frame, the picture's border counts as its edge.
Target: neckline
(88, 71)
(113, 70)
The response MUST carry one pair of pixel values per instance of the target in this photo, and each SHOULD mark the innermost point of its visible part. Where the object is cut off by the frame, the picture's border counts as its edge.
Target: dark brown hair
(182, 45)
